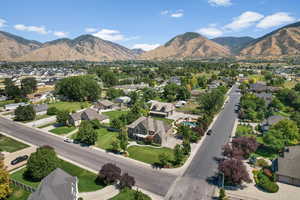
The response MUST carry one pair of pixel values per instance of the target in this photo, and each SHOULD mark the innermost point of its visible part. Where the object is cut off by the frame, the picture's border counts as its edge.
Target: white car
(67, 140)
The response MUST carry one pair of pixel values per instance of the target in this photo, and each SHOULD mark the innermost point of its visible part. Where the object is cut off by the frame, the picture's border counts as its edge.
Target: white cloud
(108, 34)
(245, 20)
(60, 34)
(2, 22)
(90, 30)
(145, 47)
(37, 29)
(276, 19)
(210, 32)
(175, 14)
(220, 2)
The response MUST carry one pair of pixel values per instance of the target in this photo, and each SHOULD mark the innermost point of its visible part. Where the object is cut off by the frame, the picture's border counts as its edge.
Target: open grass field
(63, 130)
(87, 179)
(18, 194)
(115, 114)
(10, 145)
(71, 106)
(128, 195)
(149, 155)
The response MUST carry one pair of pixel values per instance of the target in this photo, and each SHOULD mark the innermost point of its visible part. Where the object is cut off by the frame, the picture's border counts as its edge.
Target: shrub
(95, 123)
(52, 111)
(262, 163)
(265, 183)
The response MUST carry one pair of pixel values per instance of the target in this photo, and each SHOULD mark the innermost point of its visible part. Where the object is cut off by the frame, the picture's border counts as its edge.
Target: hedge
(263, 181)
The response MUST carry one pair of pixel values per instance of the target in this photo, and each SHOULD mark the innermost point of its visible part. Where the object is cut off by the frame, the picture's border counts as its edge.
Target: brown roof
(161, 107)
(90, 113)
(106, 103)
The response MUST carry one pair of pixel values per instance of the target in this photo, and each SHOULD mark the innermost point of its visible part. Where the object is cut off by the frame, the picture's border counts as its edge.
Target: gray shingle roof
(40, 107)
(273, 120)
(58, 185)
(106, 103)
(289, 164)
(92, 114)
(161, 107)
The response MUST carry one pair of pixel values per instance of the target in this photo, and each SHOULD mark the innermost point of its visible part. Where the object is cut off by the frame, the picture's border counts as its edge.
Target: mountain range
(190, 45)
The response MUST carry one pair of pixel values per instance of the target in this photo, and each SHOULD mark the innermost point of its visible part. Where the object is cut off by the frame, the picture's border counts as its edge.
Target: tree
(115, 145)
(28, 85)
(5, 189)
(297, 87)
(212, 101)
(87, 133)
(11, 90)
(113, 93)
(109, 173)
(235, 172)
(163, 159)
(123, 137)
(62, 117)
(178, 154)
(202, 81)
(222, 195)
(52, 111)
(117, 123)
(138, 195)
(241, 147)
(41, 163)
(79, 88)
(283, 133)
(127, 181)
(25, 113)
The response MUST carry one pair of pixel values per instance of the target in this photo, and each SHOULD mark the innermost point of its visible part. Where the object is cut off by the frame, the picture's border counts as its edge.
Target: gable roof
(105, 102)
(158, 126)
(57, 185)
(92, 114)
(161, 107)
(40, 107)
(289, 164)
(274, 119)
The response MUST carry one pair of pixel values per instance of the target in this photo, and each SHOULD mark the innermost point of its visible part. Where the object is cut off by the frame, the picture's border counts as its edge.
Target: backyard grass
(3, 103)
(10, 145)
(149, 155)
(115, 113)
(105, 138)
(70, 106)
(87, 180)
(18, 194)
(168, 121)
(128, 195)
(63, 130)
(37, 117)
(190, 107)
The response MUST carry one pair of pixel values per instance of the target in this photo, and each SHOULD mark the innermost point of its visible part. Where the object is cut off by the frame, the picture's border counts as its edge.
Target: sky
(144, 24)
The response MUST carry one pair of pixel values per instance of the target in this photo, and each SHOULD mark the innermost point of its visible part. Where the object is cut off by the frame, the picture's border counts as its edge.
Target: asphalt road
(192, 185)
(147, 178)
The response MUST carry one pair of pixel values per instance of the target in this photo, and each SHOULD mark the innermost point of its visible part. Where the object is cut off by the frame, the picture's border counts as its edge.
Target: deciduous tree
(109, 173)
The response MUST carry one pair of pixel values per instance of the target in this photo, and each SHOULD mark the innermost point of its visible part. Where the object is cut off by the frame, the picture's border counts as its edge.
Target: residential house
(175, 80)
(267, 97)
(104, 105)
(14, 106)
(258, 87)
(161, 109)
(88, 114)
(123, 100)
(287, 166)
(215, 84)
(3, 98)
(145, 128)
(58, 185)
(267, 123)
(40, 109)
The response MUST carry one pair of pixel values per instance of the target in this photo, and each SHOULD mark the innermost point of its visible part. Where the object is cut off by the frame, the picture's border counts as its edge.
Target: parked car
(67, 140)
(19, 159)
(209, 132)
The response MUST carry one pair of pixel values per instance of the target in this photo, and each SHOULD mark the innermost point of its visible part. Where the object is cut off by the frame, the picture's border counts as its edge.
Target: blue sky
(144, 23)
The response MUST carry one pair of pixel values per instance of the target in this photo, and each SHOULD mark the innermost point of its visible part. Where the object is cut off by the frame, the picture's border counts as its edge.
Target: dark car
(209, 132)
(19, 159)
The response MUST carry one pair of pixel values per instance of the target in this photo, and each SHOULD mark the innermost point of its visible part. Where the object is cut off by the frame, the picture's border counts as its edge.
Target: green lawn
(18, 194)
(149, 154)
(37, 117)
(3, 103)
(10, 145)
(128, 195)
(243, 130)
(71, 106)
(87, 179)
(115, 114)
(63, 130)
(169, 121)
(105, 138)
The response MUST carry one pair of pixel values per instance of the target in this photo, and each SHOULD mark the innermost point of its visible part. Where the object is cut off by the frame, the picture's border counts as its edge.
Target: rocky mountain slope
(283, 41)
(188, 45)
(12, 46)
(85, 47)
(235, 44)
